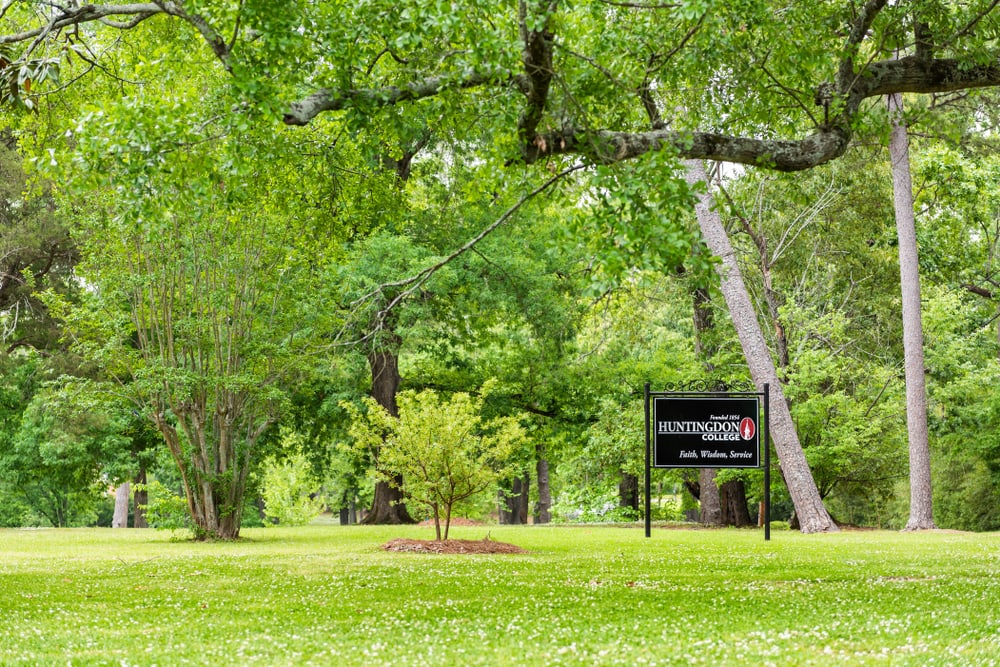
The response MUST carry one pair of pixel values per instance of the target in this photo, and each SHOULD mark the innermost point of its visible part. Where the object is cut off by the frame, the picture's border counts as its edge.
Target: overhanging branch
(608, 147)
(71, 16)
(325, 99)
(906, 75)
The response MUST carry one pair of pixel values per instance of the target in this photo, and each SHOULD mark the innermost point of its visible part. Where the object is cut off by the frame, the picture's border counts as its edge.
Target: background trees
(171, 140)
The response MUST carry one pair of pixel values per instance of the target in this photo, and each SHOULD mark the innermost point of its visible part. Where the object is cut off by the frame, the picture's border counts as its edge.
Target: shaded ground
(484, 546)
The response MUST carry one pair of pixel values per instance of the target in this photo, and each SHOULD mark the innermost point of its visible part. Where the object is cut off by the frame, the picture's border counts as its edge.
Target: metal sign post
(711, 428)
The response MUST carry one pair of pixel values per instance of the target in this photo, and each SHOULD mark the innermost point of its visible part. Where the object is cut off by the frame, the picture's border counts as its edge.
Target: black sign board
(699, 428)
(706, 432)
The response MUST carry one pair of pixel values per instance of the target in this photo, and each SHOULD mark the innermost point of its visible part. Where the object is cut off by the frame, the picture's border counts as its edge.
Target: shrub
(290, 490)
(166, 510)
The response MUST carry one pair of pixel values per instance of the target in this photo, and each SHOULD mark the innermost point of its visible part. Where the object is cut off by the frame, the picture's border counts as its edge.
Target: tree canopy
(753, 82)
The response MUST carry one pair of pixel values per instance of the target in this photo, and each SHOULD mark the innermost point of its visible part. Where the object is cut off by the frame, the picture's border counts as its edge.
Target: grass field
(326, 595)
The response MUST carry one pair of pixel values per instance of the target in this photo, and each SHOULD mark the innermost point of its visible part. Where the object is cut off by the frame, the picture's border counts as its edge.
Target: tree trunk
(710, 513)
(120, 519)
(733, 500)
(524, 499)
(921, 514)
(805, 496)
(387, 504)
(628, 492)
(214, 472)
(437, 522)
(543, 512)
(140, 498)
(514, 502)
(771, 297)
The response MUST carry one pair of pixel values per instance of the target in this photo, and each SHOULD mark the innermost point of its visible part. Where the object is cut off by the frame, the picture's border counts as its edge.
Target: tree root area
(484, 546)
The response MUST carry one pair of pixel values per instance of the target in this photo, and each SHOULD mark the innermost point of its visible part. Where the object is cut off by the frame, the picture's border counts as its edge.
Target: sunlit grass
(326, 595)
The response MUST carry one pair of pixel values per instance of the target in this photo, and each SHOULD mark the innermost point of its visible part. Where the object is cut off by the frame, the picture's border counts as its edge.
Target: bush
(166, 510)
(289, 488)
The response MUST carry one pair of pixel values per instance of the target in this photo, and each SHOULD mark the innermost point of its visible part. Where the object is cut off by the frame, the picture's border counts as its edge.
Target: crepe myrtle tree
(198, 308)
(545, 82)
(440, 448)
(202, 347)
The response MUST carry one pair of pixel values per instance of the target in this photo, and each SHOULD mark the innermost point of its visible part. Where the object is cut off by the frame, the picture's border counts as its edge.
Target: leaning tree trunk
(921, 514)
(120, 518)
(809, 508)
(387, 504)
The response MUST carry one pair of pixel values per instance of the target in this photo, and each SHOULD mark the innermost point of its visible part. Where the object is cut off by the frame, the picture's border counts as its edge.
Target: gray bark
(921, 510)
(710, 513)
(826, 143)
(809, 508)
(120, 518)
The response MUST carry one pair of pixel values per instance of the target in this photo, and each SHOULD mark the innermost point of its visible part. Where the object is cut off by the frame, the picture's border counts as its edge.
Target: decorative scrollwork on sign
(711, 385)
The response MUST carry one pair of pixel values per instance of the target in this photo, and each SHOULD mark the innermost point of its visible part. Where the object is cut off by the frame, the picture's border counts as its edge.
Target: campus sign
(706, 432)
(708, 425)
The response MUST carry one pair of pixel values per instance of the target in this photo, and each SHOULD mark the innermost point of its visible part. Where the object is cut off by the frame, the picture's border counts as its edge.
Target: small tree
(442, 447)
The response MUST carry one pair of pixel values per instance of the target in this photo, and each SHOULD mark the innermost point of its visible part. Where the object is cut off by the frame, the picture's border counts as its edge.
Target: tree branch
(208, 33)
(853, 84)
(859, 30)
(965, 30)
(906, 75)
(414, 282)
(536, 55)
(639, 5)
(79, 15)
(981, 291)
(325, 99)
(607, 147)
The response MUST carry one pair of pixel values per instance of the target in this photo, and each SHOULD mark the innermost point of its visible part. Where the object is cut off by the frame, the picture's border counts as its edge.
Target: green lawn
(326, 595)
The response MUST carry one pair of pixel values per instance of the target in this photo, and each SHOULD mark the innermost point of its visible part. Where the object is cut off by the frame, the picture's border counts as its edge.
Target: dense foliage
(243, 216)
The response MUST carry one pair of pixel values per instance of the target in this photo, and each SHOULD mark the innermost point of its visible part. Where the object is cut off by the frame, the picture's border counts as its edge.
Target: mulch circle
(484, 546)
